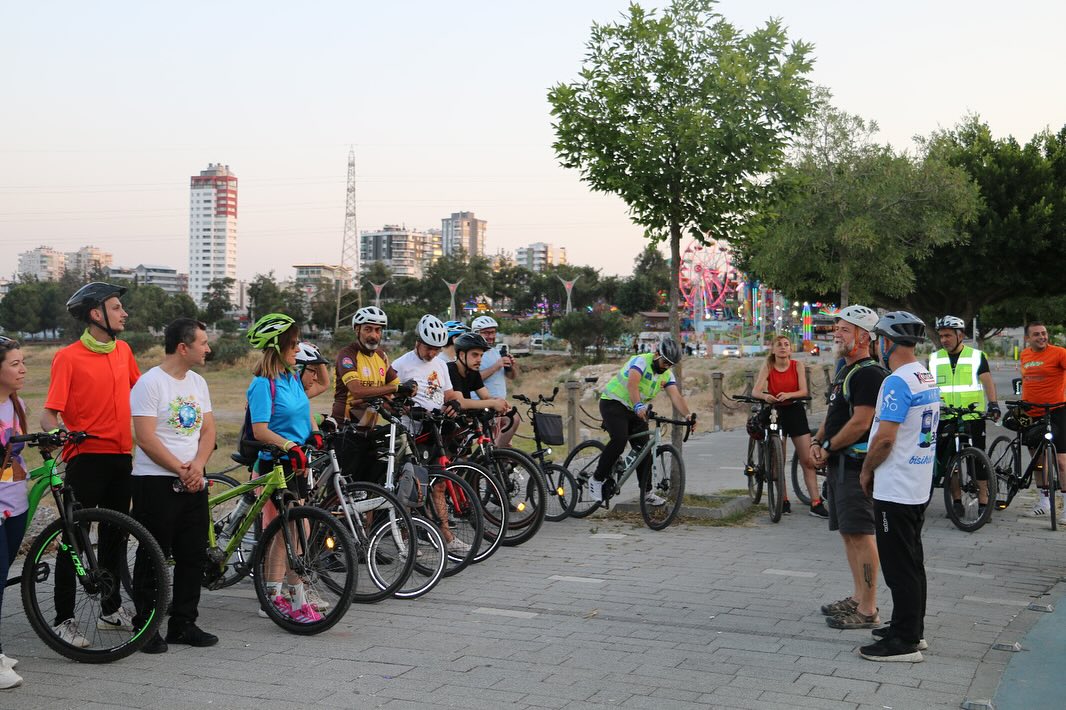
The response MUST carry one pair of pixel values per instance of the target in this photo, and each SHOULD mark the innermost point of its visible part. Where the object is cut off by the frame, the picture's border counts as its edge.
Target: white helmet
(371, 315)
(432, 332)
(308, 354)
(861, 316)
(483, 322)
(950, 322)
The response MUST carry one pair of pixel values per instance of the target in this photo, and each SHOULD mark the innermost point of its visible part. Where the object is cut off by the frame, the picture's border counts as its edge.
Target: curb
(731, 506)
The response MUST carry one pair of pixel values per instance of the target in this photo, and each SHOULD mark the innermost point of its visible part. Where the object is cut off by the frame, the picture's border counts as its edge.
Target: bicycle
(308, 543)
(765, 464)
(75, 544)
(1006, 455)
(967, 468)
(799, 482)
(667, 472)
(548, 429)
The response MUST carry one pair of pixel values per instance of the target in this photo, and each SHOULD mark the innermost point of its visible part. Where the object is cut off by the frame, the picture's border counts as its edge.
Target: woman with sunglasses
(13, 500)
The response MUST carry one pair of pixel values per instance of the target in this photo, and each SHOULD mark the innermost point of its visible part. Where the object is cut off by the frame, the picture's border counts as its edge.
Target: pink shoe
(284, 606)
(305, 614)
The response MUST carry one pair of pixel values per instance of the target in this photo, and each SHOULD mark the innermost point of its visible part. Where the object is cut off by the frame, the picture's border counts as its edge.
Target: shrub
(140, 341)
(228, 351)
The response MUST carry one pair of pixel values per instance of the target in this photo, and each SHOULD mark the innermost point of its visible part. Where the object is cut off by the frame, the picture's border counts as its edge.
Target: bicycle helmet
(308, 354)
(471, 341)
(950, 322)
(669, 350)
(755, 428)
(371, 315)
(456, 328)
(91, 296)
(432, 332)
(860, 316)
(901, 327)
(482, 323)
(266, 331)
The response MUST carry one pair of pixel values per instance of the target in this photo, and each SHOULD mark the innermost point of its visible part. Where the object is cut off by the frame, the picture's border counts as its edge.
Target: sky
(109, 108)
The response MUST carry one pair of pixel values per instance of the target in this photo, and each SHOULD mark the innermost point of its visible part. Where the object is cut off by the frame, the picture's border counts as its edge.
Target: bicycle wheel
(667, 483)
(799, 481)
(965, 472)
(755, 474)
(494, 509)
(430, 560)
(460, 515)
(323, 557)
(526, 493)
(1001, 455)
(384, 549)
(581, 463)
(222, 515)
(51, 561)
(562, 492)
(1052, 466)
(775, 477)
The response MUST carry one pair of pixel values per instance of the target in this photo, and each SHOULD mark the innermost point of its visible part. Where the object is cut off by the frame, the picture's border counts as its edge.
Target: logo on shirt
(925, 377)
(366, 371)
(889, 402)
(185, 416)
(381, 372)
(347, 363)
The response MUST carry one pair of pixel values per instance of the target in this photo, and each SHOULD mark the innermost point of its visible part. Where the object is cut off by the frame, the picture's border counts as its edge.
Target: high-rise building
(212, 229)
(539, 255)
(42, 263)
(406, 251)
(463, 231)
(87, 260)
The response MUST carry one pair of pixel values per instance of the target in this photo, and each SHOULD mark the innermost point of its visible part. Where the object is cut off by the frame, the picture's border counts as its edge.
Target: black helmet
(901, 327)
(91, 296)
(670, 350)
(471, 341)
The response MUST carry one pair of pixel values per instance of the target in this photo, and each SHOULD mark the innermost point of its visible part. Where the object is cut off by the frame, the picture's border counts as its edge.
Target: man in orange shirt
(1044, 381)
(90, 390)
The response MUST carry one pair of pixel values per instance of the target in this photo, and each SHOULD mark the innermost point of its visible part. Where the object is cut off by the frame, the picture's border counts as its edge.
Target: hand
(298, 460)
(818, 455)
(452, 408)
(192, 476)
(993, 411)
(407, 388)
(866, 481)
(501, 406)
(692, 418)
(328, 425)
(315, 441)
(507, 360)
(643, 413)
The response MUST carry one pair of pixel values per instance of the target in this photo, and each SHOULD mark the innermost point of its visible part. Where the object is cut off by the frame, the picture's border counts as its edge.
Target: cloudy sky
(108, 108)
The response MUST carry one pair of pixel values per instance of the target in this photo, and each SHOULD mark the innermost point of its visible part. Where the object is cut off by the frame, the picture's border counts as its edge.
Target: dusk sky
(108, 108)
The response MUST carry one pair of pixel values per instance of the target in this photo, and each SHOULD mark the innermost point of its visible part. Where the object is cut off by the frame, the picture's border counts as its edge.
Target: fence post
(749, 382)
(572, 389)
(828, 378)
(716, 394)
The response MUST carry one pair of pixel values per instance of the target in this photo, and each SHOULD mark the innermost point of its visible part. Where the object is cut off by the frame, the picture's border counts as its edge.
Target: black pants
(621, 423)
(899, 546)
(358, 456)
(97, 480)
(11, 532)
(178, 521)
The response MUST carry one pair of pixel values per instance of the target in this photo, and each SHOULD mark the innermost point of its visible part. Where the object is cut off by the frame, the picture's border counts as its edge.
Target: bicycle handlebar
(1034, 405)
(43, 438)
(687, 423)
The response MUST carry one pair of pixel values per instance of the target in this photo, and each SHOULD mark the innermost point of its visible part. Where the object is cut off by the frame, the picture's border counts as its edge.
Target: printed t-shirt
(1043, 376)
(13, 497)
(432, 378)
(92, 392)
(909, 397)
(364, 368)
(469, 384)
(292, 410)
(178, 407)
(496, 383)
(862, 391)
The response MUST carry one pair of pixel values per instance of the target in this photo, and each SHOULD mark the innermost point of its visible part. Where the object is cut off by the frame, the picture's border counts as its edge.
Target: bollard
(749, 382)
(716, 394)
(828, 381)
(573, 387)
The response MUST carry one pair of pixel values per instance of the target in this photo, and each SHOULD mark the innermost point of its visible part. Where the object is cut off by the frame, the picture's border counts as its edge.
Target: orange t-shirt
(92, 392)
(1043, 375)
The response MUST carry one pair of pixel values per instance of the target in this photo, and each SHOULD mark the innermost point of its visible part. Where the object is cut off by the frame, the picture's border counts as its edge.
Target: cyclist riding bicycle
(624, 408)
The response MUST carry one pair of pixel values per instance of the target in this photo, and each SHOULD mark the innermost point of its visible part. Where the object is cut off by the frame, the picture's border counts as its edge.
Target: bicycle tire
(40, 571)
(464, 517)
(581, 462)
(799, 481)
(325, 560)
(775, 478)
(963, 473)
(491, 496)
(430, 560)
(523, 484)
(240, 563)
(1001, 454)
(755, 478)
(1051, 465)
(562, 492)
(668, 482)
(387, 564)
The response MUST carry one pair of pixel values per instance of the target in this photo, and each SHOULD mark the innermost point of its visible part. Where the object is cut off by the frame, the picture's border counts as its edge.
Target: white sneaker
(121, 620)
(654, 500)
(68, 633)
(8, 661)
(315, 599)
(9, 679)
(595, 490)
(1041, 508)
(458, 546)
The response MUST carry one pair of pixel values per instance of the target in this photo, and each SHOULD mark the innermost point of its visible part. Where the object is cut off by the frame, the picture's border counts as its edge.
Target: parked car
(731, 351)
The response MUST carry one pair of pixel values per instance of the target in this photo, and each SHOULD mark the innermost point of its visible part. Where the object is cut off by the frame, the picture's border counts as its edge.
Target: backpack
(413, 483)
(248, 454)
(846, 390)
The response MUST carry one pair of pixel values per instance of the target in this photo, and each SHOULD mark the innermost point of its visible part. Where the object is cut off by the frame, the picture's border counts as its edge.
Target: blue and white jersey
(909, 397)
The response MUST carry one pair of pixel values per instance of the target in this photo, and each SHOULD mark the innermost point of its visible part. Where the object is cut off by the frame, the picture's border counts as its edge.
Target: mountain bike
(75, 546)
(1005, 453)
(765, 464)
(667, 472)
(301, 545)
(968, 472)
(548, 431)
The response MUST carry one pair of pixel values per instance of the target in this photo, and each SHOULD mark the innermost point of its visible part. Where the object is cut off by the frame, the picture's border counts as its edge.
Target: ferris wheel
(707, 277)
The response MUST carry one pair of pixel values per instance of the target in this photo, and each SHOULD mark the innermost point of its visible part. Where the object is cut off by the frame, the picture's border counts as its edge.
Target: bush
(228, 351)
(140, 341)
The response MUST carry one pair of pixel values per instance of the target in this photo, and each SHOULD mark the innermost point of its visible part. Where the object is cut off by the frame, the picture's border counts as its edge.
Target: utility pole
(350, 245)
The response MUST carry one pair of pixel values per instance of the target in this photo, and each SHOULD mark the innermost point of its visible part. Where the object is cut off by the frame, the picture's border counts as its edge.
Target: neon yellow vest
(959, 387)
(650, 384)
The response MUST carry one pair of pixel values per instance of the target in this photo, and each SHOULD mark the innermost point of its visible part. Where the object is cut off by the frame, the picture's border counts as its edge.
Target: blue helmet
(455, 329)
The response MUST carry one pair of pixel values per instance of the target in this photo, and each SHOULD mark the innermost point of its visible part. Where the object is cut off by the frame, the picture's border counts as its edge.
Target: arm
(676, 398)
(513, 364)
(486, 401)
(633, 387)
(989, 386)
(762, 381)
(49, 419)
(315, 380)
(880, 448)
(148, 440)
(192, 472)
(853, 429)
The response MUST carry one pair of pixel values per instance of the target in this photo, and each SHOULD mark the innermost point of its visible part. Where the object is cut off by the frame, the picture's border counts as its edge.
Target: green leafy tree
(651, 276)
(20, 308)
(589, 329)
(147, 308)
(217, 302)
(180, 305)
(265, 296)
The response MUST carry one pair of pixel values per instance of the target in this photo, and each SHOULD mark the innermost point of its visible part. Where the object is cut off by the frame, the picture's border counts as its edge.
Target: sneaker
(9, 679)
(121, 620)
(281, 604)
(458, 546)
(886, 631)
(786, 507)
(595, 490)
(845, 605)
(156, 644)
(958, 509)
(854, 620)
(68, 633)
(306, 614)
(981, 508)
(892, 649)
(1041, 508)
(654, 500)
(818, 510)
(8, 661)
(315, 599)
(192, 635)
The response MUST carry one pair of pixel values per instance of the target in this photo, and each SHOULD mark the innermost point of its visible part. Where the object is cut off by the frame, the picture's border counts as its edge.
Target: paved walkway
(597, 613)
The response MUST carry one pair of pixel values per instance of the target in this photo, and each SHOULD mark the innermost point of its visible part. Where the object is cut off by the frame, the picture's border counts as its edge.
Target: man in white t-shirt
(175, 431)
(898, 471)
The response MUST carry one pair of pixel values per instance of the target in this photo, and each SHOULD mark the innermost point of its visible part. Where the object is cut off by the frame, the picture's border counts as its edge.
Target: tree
(146, 306)
(651, 275)
(218, 303)
(180, 305)
(584, 329)
(264, 296)
(20, 308)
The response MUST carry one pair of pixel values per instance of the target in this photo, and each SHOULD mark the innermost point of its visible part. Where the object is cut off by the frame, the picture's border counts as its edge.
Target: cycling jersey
(1043, 376)
(650, 381)
(368, 368)
(909, 397)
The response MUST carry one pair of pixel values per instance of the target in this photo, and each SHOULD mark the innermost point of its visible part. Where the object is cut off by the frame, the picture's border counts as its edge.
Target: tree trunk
(675, 319)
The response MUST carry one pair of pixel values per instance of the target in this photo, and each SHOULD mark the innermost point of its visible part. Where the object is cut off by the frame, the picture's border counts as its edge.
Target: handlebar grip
(22, 438)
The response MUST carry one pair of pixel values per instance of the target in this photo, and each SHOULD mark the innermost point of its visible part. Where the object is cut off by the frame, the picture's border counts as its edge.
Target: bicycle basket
(550, 428)
(413, 483)
(1017, 420)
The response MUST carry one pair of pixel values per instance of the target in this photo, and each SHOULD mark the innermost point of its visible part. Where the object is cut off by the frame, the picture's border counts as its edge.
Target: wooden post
(716, 394)
(573, 387)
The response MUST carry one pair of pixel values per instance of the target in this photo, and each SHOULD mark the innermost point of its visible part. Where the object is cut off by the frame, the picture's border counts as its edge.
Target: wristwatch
(825, 445)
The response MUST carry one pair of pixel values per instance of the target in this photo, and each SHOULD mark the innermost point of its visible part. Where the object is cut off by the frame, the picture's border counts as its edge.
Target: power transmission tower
(350, 247)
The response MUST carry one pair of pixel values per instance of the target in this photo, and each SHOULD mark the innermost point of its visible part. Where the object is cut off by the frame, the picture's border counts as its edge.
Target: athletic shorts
(792, 420)
(850, 510)
(1034, 434)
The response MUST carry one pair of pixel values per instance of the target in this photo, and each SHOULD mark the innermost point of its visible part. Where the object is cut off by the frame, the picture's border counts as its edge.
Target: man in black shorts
(840, 445)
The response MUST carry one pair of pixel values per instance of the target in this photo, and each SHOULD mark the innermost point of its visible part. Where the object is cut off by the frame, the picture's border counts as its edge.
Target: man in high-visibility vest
(964, 378)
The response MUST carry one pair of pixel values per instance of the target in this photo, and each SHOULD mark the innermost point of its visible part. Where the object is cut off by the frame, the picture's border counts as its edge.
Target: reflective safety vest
(959, 387)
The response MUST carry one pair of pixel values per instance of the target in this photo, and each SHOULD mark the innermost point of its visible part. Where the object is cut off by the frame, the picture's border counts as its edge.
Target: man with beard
(840, 445)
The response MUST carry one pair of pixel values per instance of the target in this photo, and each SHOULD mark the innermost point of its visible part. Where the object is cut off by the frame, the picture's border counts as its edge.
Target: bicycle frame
(271, 483)
(654, 438)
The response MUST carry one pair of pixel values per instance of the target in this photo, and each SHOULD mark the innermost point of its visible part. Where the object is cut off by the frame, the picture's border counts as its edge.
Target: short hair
(182, 330)
(1032, 323)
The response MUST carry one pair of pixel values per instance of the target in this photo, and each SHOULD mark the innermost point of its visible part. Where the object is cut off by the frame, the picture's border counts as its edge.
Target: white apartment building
(539, 255)
(314, 274)
(463, 231)
(212, 229)
(406, 251)
(165, 277)
(86, 260)
(42, 263)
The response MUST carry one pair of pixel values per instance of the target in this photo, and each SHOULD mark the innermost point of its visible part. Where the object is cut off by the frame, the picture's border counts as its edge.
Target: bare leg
(863, 561)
